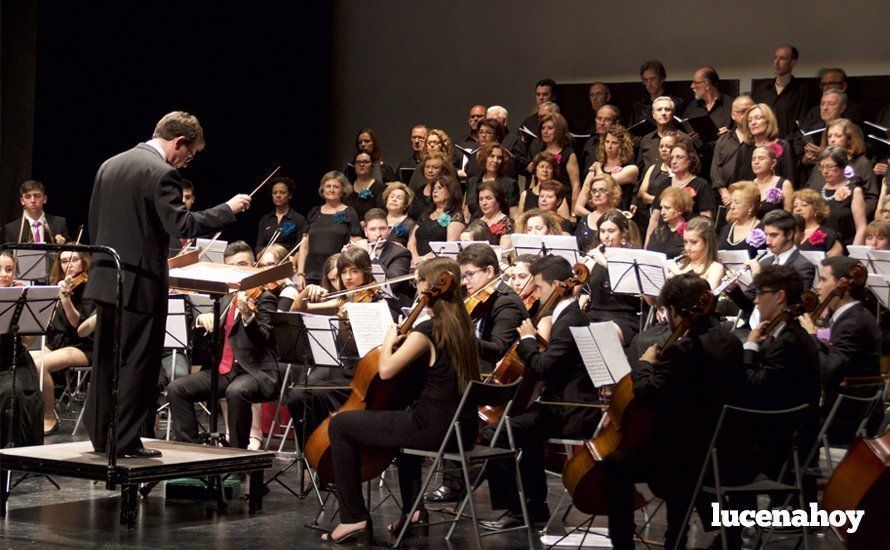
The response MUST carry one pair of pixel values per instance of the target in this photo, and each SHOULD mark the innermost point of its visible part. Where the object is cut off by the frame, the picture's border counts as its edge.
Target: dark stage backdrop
(256, 78)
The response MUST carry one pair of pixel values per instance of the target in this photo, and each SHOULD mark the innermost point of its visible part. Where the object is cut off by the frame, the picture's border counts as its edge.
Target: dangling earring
(623, 242)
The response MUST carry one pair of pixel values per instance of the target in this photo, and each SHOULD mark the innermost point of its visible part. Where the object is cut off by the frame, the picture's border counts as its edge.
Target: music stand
(450, 249)
(176, 340)
(32, 265)
(565, 246)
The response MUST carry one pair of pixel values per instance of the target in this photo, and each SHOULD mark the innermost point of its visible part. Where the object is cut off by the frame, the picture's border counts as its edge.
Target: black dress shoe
(142, 452)
(444, 494)
(506, 521)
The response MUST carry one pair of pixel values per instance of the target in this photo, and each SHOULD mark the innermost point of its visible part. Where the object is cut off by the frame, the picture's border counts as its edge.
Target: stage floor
(82, 514)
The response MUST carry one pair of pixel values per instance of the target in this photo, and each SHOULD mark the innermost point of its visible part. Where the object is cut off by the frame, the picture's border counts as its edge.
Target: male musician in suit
(853, 348)
(135, 208)
(394, 258)
(496, 321)
(565, 379)
(248, 370)
(779, 226)
(35, 226)
(686, 391)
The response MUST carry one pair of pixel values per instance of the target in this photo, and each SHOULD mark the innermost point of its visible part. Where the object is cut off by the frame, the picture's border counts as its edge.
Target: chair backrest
(493, 395)
(850, 414)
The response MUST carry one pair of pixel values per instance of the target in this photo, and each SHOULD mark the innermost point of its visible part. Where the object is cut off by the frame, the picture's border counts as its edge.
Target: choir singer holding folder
(135, 208)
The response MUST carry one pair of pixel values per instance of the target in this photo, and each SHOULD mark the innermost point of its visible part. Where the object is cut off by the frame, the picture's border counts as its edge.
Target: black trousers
(350, 431)
(240, 390)
(531, 430)
(142, 340)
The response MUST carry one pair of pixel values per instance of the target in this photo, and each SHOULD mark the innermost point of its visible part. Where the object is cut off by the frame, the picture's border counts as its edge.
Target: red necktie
(228, 358)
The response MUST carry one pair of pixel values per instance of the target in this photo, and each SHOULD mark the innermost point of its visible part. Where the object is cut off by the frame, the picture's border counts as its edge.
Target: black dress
(401, 231)
(585, 234)
(60, 334)
(507, 184)
(327, 235)
(431, 230)
(820, 240)
(767, 207)
(366, 199)
(292, 227)
(666, 241)
(622, 309)
(702, 195)
(504, 226)
(723, 242)
(840, 214)
(531, 200)
(422, 425)
(420, 204)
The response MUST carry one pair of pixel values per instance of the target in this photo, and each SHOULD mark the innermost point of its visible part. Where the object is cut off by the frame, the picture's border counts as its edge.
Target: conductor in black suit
(35, 226)
(135, 208)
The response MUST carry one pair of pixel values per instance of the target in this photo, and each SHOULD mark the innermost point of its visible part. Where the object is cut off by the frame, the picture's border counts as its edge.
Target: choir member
(809, 205)
(397, 199)
(843, 133)
(726, 149)
(846, 200)
(785, 94)
(605, 118)
(762, 130)
(412, 163)
(652, 76)
(685, 167)
(443, 220)
(667, 235)
(614, 157)
(657, 171)
(366, 141)
(437, 141)
(290, 224)
(367, 191)
(700, 252)
(599, 195)
(554, 138)
(742, 228)
(435, 164)
(545, 92)
(775, 191)
(492, 161)
(493, 211)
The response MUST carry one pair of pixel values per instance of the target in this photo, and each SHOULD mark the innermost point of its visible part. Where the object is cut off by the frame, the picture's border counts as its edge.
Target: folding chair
(476, 395)
(854, 406)
(787, 423)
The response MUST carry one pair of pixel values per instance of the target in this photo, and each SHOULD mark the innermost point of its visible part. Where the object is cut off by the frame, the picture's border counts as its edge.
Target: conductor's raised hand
(239, 203)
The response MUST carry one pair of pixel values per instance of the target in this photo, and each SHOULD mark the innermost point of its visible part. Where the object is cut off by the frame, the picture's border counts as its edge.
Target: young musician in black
(495, 321)
(442, 349)
(686, 386)
(393, 258)
(248, 370)
(565, 379)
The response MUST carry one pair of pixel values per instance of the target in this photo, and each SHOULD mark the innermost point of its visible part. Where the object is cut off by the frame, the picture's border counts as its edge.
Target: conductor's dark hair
(655, 66)
(237, 247)
(781, 277)
(552, 268)
(179, 123)
(479, 255)
(683, 292)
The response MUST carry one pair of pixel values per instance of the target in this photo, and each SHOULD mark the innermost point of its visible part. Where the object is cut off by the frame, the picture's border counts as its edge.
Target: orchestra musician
(353, 269)
(444, 345)
(565, 379)
(65, 348)
(135, 208)
(394, 258)
(248, 369)
(686, 391)
(35, 226)
(520, 281)
(700, 252)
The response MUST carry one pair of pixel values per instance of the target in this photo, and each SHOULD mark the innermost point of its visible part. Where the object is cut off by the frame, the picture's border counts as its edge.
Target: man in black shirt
(663, 110)
(832, 79)
(786, 95)
(599, 95)
(710, 102)
(606, 117)
(545, 90)
(418, 137)
(832, 106)
(653, 75)
(726, 149)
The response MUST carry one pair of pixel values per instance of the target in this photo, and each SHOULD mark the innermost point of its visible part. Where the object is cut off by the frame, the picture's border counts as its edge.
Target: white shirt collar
(156, 145)
(782, 258)
(560, 307)
(30, 221)
(840, 311)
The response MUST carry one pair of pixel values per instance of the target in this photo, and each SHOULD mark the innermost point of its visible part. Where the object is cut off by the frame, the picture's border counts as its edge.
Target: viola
(856, 278)
(370, 392)
(512, 367)
(628, 427)
(479, 302)
(77, 280)
(809, 300)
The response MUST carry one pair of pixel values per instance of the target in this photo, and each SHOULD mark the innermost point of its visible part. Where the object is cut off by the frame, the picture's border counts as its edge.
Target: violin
(479, 302)
(855, 279)
(809, 300)
(370, 392)
(628, 427)
(76, 281)
(512, 367)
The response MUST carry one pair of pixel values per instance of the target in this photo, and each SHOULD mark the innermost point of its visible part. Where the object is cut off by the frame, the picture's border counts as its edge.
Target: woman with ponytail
(441, 349)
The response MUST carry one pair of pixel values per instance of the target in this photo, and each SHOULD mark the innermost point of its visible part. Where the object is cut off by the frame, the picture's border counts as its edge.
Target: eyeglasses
(598, 192)
(831, 83)
(824, 167)
(469, 274)
(417, 138)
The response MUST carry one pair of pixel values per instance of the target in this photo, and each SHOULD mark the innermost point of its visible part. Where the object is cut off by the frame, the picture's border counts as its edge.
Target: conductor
(135, 208)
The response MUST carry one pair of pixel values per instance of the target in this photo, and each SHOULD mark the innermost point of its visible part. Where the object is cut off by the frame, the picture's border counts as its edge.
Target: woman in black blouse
(397, 199)
(742, 230)
(846, 134)
(775, 191)
(492, 159)
(545, 168)
(667, 236)
(284, 219)
(554, 138)
(443, 352)
(437, 141)
(493, 211)
(366, 142)
(846, 200)
(331, 225)
(64, 347)
(761, 129)
(367, 191)
(685, 165)
(434, 165)
(443, 220)
(810, 206)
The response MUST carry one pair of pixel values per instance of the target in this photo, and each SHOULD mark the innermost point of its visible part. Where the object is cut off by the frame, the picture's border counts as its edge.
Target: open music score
(211, 278)
(602, 353)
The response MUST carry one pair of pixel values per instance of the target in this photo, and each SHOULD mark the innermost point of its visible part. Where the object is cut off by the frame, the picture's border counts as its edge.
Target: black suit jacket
(57, 226)
(853, 350)
(563, 372)
(395, 260)
(497, 328)
(784, 373)
(745, 299)
(253, 344)
(135, 208)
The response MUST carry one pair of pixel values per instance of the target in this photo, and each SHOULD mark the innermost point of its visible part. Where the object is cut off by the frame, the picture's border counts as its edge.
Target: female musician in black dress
(442, 349)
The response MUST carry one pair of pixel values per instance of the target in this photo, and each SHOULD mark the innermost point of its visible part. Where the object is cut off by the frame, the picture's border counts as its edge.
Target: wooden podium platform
(78, 460)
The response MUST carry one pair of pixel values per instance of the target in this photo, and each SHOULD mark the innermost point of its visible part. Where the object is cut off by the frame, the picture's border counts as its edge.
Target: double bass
(370, 392)
(512, 367)
(628, 426)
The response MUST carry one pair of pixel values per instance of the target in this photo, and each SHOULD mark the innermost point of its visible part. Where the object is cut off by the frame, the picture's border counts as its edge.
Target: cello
(512, 367)
(370, 392)
(628, 426)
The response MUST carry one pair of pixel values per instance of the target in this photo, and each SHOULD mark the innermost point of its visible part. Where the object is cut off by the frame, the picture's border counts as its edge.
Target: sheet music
(880, 261)
(814, 256)
(176, 335)
(321, 339)
(565, 246)
(880, 287)
(602, 353)
(370, 323)
(424, 315)
(860, 253)
(31, 265)
(216, 251)
(734, 260)
(202, 303)
(199, 272)
(450, 249)
(624, 263)
(37, 312)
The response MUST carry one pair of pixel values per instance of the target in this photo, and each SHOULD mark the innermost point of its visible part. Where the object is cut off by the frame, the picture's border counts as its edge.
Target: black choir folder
(641, 128)
(702, 125)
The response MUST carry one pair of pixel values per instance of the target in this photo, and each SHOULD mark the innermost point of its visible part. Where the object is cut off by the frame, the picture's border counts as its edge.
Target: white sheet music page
(880, 288)
(602, 353)
(203, 272)
(321, 339)
(370, 323)
(734, 260)
(622, 271)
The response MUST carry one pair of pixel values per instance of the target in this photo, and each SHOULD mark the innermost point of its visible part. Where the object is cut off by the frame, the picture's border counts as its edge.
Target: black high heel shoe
(423, 523)
(364, 535)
